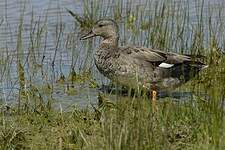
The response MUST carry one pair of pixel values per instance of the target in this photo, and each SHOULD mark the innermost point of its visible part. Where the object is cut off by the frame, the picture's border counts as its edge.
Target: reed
(127, 122)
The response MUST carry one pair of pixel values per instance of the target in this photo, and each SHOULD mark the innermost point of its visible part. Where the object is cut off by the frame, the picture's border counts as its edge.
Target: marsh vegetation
(45, 71)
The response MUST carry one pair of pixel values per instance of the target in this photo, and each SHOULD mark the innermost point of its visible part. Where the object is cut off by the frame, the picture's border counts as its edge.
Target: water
(51, 15)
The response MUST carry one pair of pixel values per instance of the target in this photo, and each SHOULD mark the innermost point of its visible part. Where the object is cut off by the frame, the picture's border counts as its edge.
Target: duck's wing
(156, 57)
(144, 55)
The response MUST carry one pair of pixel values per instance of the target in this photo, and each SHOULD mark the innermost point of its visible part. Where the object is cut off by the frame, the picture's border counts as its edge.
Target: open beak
(88, 35)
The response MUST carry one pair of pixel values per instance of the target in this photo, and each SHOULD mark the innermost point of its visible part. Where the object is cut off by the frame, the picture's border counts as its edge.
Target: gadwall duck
(138, 66)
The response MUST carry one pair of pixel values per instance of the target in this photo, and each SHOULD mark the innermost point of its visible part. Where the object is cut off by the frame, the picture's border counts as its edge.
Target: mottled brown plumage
(138, 66)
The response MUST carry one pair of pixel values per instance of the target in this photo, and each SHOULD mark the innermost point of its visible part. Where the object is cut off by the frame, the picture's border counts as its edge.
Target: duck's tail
(197, 61)
(198, 66)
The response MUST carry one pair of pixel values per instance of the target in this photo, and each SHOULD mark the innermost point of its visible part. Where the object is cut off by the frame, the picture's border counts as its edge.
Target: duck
(137, 66)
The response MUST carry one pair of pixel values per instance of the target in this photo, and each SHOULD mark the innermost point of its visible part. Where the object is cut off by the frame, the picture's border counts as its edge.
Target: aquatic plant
(126, 122)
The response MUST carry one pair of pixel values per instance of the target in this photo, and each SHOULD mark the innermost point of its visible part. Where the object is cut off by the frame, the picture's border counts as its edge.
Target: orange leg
(154, 105)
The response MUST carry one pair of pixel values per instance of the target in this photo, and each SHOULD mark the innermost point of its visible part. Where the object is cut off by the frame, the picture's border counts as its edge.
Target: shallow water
(55, 13)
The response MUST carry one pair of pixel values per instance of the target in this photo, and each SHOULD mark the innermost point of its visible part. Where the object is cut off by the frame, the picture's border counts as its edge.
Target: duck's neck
(110, 42)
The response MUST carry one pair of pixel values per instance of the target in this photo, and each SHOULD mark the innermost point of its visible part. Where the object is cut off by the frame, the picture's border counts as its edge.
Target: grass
(124, 124)
(127, 123)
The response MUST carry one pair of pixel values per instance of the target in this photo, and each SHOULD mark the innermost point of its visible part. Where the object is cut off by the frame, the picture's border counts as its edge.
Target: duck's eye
(100, 25)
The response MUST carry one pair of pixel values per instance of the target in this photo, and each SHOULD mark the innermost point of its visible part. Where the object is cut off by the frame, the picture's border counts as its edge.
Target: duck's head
(105, 28)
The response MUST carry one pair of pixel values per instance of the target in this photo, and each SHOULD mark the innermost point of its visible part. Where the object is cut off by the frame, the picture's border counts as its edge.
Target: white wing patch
(166, 65)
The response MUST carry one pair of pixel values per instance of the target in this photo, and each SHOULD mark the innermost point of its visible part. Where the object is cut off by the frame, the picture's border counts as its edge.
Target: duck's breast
(105, 62)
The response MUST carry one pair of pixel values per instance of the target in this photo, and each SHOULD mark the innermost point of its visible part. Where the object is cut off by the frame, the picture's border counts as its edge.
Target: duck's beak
(88, 35)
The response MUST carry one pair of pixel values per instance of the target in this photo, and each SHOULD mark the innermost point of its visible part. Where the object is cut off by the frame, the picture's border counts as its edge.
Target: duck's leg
(154, 98)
